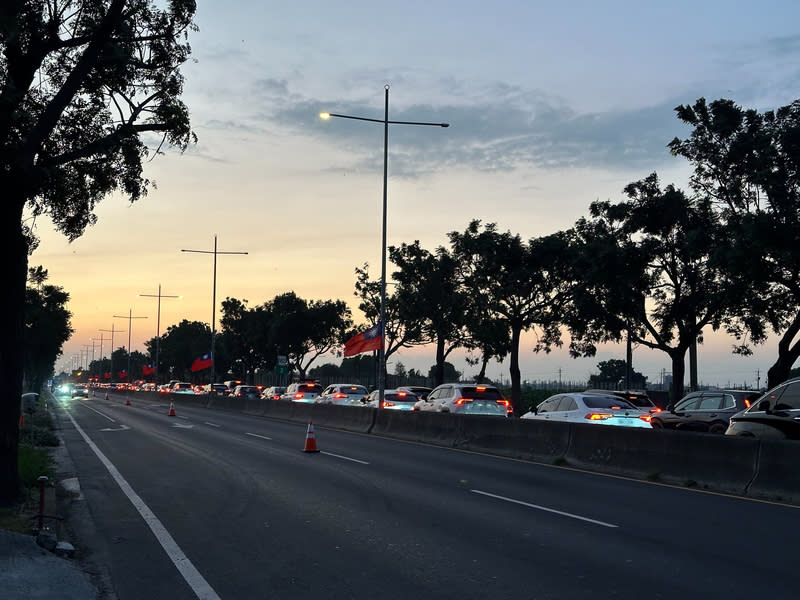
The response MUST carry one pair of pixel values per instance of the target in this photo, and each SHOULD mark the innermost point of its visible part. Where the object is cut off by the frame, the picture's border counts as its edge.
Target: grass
(35, 440)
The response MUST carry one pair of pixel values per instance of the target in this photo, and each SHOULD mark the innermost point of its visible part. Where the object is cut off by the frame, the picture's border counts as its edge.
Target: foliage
(613, 372)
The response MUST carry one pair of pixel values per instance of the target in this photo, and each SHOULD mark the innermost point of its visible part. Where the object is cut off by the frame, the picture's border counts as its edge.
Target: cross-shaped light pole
(213, 301)
(386, 122)
(130, 317)
(111, 366)
(158, 322)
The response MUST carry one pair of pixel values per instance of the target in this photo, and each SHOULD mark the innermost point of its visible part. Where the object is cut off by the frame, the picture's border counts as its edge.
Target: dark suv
(707, 411)
(775, 415)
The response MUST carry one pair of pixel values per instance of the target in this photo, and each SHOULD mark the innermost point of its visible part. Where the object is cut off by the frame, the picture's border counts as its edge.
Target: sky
(552, 105)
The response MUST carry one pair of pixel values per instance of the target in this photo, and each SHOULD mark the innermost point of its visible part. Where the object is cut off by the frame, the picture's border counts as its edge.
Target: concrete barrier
(778, 472)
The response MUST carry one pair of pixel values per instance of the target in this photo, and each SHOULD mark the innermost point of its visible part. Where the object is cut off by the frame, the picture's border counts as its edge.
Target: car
(706, 411)
(273, 393)
(775, 415)
(421, 392)
(302, 391)
(638, 398)
(465, 398)
(231, 384)
(182, 387)
(64, 390)
(251, 392)
(80, 391)
(582, 407)
(217, 389)
(398, 399)
(350, 394)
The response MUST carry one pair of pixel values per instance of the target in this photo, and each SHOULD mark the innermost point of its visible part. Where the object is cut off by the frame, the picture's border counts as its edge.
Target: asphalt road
(214, 504)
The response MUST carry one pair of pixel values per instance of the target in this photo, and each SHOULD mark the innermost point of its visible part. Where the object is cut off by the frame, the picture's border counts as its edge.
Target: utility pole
(158, 324)
(130, 317)
(111, 367)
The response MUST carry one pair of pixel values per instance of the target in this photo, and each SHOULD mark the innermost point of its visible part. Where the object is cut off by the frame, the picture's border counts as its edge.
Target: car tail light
(646, 418)
(401, 394)
(655, 410)
(747, 403)
(299, 396)
(386, 403)
(481, 388)
(276, 396)
(507, 404)
(340, 395)
(462, 401)
(598, 416)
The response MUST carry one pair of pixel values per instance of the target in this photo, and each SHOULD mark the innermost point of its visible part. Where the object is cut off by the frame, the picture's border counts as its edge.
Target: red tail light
(655, 410)
(507, 404)
(276, 397)
(462, 401)
(598, 416)
(340, 395)
(646, 418)
(387, 404)
(299, 396)
(747, 403)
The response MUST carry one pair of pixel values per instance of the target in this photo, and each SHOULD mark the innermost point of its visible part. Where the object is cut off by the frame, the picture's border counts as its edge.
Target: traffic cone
(311, 441)
(106, 395)
(171, 409)
(127, 401)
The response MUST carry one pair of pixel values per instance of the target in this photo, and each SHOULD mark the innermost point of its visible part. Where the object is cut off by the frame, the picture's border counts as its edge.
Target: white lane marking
(544, 508)
(211, 424)
(190, 574)
(99, 413)
(263, 437)
(182, 417)
(179, 426)
(345, 458)
(121, 428)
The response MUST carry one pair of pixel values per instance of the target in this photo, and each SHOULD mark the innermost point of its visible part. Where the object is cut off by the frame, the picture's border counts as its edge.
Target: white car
(398, 399)
(466, 398)
(304, 391)
(348, 394)
(600, 409)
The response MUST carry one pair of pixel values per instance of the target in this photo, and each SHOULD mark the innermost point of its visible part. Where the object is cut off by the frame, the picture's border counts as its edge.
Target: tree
(430, 296)
(84, 85)
(47, 328)
(181, 345)
(523, 284)
(450, 372)
(649, 273)
(612, 372)
(748, 164)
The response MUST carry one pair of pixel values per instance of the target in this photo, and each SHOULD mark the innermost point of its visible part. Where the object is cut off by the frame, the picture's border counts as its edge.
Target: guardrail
(763, 469)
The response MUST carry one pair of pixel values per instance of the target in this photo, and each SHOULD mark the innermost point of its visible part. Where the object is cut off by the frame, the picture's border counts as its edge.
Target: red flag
(123, 374)
(204, 362)
(106, 375)
(148, 369)
(371, 339)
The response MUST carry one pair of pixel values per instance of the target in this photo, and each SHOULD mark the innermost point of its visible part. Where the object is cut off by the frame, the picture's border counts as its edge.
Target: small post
(42, 482)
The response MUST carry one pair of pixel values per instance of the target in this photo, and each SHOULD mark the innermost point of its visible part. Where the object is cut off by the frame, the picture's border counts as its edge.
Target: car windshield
(605, 402)
(480, 393)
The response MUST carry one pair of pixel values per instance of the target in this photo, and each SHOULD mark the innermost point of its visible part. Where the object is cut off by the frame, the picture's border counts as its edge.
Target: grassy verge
(36, 438)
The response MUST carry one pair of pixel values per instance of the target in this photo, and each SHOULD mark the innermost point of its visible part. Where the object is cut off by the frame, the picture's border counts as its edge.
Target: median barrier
(422, 426)
(778, 475)
(519, 438)
(682, 458)
(350, 418)
(278, 409)
(301, 412)
(255, 406)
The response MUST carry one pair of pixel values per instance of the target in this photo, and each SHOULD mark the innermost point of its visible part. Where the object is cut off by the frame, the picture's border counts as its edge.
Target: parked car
(251, 392)
(465, 398)
(582, 407)
(421, 392)
(707, 411)
(398, 399)
(305, 391)
(775, 415)
(350, 394)
(638, 398)
(273, 393)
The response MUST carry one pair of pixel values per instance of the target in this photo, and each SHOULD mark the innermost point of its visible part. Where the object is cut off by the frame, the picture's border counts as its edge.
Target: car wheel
(656, 424)
(717, 428)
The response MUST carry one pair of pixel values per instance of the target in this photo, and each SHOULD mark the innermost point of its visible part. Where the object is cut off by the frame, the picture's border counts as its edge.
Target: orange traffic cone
(171, 409)
(311, 441)
(127, 401)
(106, 395)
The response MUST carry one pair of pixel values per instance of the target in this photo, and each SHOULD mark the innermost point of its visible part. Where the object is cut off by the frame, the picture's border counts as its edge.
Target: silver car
(466, 398)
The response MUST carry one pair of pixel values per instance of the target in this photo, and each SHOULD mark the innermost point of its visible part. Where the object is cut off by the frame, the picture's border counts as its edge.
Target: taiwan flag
(123, 374)
(371, 339)
(106, 375)
(201, 363)
(148, 369)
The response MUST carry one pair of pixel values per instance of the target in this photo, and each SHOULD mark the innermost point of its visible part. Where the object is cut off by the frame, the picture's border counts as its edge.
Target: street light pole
(213, 302)
(130, 317)
(386, 122)
(158, 323)
(111, 360)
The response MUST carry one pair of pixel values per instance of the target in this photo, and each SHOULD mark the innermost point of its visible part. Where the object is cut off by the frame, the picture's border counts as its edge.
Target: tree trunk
(440, 356)
(787, 355)
(481, 377)
(693, 381)
(513, 370)
(678, 357)
(12, 309)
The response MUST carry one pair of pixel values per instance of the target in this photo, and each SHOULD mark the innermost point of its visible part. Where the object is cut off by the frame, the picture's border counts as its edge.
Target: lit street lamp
(158, 323)
(213, 301)
(386, 122)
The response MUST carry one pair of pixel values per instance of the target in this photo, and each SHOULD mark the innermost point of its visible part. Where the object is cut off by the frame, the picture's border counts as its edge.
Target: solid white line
(345, 458)
(191, 575)
(263, 437)
(99, 413)
(212, 424)
(544, 508)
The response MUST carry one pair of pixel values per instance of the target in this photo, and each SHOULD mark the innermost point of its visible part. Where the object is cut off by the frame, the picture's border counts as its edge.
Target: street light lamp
(130, 317)
(158, 323)
(213, 301)
(386, 122)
